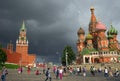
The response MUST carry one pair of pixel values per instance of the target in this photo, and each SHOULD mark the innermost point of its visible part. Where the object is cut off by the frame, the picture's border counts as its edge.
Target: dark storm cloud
(52, 24)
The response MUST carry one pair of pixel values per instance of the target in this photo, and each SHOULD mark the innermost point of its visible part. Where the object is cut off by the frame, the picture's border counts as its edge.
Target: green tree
(70, 55)
(3, 56)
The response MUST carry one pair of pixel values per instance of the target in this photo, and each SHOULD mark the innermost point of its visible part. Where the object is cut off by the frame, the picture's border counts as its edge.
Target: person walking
(78, 70)
(57, 72)
(19, 70)
(4, 72)
(29, 69)
(48, 76)
(84, 71)
(61, 73)
(105, 72)
(110, 72)
(92, 71)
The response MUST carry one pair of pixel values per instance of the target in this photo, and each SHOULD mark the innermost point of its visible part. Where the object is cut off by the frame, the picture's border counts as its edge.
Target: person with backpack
(57, 72)
(48, 76)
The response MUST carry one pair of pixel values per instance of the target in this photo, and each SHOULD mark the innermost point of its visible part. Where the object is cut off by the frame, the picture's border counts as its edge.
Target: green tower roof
(23, 28)
(113, 30)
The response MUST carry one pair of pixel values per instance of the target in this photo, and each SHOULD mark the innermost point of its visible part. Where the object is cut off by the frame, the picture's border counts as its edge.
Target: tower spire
(23, 26)
(93, 21)
(93, 18)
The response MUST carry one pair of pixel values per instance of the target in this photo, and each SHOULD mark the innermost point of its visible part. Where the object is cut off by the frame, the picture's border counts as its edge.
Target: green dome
(113, 31)
(89, 37)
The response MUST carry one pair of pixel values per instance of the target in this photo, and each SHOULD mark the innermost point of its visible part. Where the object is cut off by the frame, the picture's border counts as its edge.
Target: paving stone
(14, 76)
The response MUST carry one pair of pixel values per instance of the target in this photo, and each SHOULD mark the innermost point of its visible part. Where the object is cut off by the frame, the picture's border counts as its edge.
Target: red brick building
(96, 46)
(21, 55)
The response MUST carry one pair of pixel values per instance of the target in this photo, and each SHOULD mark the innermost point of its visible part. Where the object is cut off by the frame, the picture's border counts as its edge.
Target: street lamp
(20, 61)
(66, 58)
(59, 60)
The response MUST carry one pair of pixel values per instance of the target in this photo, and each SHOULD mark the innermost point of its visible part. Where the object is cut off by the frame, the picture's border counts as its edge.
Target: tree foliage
(3, 57)
(70, 57)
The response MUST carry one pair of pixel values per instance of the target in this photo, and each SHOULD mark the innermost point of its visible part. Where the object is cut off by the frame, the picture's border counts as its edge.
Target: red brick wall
(13, 57)
(17, 57)
(32, 58)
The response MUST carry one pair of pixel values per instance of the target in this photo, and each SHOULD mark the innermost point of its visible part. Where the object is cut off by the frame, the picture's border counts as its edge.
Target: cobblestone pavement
(14, 76)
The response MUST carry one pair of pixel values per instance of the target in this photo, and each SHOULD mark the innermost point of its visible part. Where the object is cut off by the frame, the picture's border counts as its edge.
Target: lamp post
(59, 59)
(66, 58)
(20, 61)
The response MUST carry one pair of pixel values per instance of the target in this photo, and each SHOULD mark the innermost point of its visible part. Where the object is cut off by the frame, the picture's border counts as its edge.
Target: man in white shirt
(106, 72)
(61, 73)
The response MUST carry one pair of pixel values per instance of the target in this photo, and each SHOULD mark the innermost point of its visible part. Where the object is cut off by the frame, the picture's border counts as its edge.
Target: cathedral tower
(92, 27)
(81, 38)
(93, 21)
(102, 41)
(88, 40)
(112, 36)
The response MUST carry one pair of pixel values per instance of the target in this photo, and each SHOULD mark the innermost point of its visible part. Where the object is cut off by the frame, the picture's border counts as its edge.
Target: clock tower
(22, 42)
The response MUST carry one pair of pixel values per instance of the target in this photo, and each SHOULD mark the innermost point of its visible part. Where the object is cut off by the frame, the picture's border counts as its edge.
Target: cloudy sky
(53, 24)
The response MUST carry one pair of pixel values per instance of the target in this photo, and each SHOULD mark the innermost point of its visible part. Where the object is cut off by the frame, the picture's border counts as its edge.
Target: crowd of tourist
(62, 71)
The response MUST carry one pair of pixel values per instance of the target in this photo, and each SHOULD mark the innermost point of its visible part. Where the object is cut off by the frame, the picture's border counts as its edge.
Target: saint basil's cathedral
(96, 47)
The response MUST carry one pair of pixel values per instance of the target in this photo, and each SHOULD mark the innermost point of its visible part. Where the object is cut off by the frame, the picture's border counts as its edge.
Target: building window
(104, 53)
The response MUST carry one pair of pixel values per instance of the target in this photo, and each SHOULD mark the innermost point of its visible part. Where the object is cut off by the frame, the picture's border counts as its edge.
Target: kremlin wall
(20, 56)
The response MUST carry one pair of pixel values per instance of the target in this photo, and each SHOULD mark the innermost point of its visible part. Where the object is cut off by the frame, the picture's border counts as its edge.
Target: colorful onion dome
(113, 31)
(89, 37)
(100, 26)
(80, 31)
